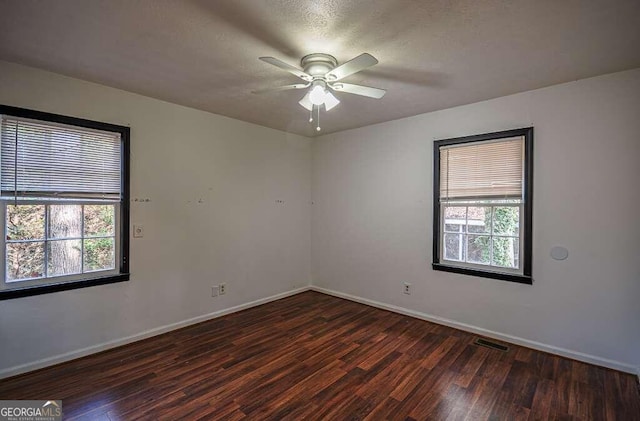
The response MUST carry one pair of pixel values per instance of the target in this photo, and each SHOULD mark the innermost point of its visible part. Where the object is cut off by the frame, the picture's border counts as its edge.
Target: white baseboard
(56, 359)
(72, 355)
(580, 356)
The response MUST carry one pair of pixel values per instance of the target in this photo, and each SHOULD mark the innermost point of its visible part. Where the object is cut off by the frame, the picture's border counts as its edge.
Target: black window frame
(526, 276)
(123, 275)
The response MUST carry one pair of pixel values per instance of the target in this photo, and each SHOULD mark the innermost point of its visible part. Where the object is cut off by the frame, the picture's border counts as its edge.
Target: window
(63, 204)
(482, 205)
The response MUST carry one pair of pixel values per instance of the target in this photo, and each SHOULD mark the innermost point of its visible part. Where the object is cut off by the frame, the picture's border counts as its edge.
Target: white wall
(212, 182)
(372, 215)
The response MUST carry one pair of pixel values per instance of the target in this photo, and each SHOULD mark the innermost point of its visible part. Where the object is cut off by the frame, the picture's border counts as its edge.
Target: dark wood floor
(312, 356)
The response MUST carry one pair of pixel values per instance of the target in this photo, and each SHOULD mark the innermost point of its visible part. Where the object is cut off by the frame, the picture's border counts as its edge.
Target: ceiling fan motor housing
(318, 64)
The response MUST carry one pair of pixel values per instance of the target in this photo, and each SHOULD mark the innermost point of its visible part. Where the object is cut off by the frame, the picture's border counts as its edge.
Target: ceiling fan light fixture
(306, 102)
(318, 94)
(330, 101)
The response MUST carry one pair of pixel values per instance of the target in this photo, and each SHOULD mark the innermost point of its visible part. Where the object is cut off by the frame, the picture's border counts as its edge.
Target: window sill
(62, 286)
(521, 279)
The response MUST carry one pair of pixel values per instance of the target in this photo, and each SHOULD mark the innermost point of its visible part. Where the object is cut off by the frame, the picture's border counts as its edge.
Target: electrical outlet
(214, 290)
(407, 288)
(223, 288)
(138, 231)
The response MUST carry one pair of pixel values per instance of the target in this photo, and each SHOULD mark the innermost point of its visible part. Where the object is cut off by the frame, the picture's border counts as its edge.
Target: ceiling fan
(323, 76)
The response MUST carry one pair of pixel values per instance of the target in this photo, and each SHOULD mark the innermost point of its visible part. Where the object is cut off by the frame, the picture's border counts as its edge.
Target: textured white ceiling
(433, 54)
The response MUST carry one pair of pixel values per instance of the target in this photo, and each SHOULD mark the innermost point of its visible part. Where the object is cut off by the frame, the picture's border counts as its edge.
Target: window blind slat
(58, 160)
(482, 170)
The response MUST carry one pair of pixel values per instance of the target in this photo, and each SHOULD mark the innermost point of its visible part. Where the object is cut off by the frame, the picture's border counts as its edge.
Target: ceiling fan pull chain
(318, 127)
(311, 115)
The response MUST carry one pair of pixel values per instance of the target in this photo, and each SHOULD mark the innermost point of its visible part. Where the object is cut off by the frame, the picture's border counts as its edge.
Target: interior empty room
(319, 210)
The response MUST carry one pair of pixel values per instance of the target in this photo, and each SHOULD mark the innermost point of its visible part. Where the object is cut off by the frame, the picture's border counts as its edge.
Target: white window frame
(7, 284)
(482, 203)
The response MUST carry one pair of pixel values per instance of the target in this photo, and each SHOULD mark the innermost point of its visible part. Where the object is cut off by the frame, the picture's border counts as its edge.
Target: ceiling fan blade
(306, 102)
(287, 67)
(282, 88)
(350, 88)
(330, 101)
(352, 66)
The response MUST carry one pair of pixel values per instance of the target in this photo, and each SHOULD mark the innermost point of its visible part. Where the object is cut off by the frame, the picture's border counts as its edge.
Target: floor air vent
(490, 344)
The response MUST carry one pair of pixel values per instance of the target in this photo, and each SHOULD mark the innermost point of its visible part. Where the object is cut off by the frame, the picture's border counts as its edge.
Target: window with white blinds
(482, 189)
(64, 202)
(490, 169)
(46, 159)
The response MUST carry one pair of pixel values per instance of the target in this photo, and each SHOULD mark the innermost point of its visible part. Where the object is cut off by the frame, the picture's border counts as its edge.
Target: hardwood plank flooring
(313, 356)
